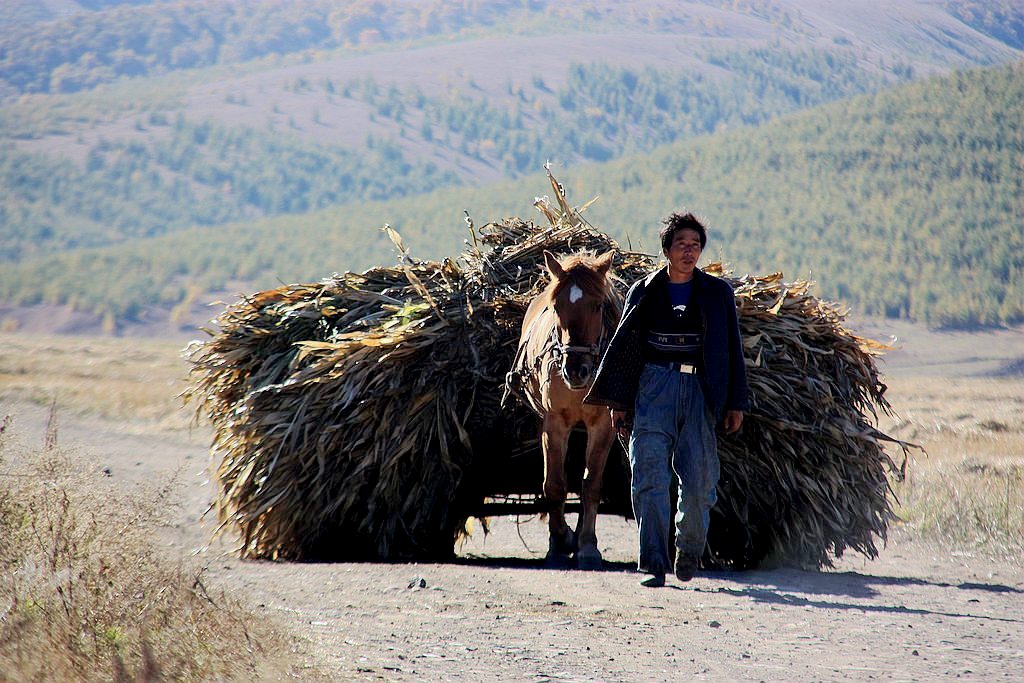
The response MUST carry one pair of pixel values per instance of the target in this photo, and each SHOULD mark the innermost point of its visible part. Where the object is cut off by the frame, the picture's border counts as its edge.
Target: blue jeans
(672, 429)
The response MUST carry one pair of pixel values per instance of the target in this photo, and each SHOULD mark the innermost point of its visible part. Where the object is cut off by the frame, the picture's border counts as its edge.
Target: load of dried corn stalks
(359, 417)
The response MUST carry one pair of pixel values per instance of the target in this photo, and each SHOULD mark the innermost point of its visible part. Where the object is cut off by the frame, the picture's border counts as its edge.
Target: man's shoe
(686, 566)
(655, 580)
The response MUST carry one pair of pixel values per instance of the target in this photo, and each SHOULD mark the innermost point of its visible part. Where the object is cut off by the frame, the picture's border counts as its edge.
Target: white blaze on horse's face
(575, 294)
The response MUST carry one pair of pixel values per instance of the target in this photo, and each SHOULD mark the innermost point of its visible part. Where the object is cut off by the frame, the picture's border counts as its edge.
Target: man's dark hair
(682, 221)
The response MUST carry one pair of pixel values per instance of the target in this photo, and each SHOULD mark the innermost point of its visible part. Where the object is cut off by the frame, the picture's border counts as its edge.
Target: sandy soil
(914, 613)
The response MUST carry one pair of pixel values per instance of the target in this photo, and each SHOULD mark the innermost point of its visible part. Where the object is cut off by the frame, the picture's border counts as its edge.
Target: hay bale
(359, 417)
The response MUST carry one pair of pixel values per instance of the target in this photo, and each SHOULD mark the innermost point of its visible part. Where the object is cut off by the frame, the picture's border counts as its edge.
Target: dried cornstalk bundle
(360, 417)
(808, 476)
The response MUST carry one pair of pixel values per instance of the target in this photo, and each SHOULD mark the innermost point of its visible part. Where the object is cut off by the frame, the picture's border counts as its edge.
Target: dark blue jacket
(724, 380)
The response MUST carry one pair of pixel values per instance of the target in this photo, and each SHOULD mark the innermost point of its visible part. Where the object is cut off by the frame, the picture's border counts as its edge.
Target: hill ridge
(850, 194)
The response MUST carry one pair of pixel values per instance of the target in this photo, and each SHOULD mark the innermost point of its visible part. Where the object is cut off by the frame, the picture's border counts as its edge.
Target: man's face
(685, 250)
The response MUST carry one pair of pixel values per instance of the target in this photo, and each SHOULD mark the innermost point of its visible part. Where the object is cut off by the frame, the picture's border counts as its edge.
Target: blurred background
(157, 156)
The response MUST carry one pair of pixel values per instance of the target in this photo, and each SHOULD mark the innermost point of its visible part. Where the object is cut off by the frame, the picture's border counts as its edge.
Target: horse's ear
(554, 267)
(604, 262)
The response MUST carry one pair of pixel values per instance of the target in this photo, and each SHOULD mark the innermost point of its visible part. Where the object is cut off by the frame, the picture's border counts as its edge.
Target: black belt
(685, 368)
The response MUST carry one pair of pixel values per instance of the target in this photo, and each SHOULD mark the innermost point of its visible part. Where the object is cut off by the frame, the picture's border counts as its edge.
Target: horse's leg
(561, 540)
(599, 441)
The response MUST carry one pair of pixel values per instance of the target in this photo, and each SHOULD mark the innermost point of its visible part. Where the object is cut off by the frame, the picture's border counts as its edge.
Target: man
(675, 363)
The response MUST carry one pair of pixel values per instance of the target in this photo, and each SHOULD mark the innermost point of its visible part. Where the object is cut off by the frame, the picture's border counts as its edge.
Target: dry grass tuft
(965, 496)
(85, 595)
(975, 507)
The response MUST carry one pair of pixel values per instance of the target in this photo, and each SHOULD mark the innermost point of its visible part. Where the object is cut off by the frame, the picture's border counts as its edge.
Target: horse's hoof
(562, 545)
(557, 561)
(589, 561)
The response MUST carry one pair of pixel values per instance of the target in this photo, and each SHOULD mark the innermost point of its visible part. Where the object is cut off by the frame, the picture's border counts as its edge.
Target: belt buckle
(687, 369)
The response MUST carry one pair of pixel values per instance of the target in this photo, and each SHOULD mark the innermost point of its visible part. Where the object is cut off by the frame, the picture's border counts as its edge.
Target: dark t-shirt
(675, 331)
(679, 295)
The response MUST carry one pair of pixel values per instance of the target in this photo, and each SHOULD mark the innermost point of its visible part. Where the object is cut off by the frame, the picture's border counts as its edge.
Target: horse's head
(578, 291)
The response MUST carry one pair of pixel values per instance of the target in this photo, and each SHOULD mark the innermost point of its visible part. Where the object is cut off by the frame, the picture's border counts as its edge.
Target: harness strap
(595, 349)
(517, 374)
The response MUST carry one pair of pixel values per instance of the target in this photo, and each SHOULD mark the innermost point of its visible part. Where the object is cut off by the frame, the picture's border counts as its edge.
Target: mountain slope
(162, 174)
(205, 112)
(905, 203)
(43, 50)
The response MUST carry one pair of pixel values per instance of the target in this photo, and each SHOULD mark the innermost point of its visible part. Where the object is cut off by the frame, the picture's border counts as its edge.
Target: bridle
(556, 351)
(559, 349)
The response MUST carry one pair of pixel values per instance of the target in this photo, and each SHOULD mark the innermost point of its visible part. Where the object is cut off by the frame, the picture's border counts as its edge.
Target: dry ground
(939, 603)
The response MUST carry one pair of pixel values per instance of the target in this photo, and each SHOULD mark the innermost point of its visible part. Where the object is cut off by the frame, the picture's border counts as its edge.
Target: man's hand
(733, 421)
(619, 423)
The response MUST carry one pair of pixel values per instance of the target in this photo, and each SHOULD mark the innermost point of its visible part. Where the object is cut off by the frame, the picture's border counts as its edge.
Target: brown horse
(559, 349)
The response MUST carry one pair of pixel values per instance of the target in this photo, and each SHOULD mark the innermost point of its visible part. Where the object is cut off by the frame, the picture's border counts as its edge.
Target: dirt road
(496, 614)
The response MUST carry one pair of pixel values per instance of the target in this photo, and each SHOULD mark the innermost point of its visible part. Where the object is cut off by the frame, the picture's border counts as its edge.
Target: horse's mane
(580, 270)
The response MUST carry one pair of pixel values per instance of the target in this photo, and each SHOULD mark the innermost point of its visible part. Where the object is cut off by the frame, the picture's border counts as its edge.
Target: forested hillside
(174, 174)
(293, 109)
(905, 203)
(69, 52)
(1001, 19)
(152, 151)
